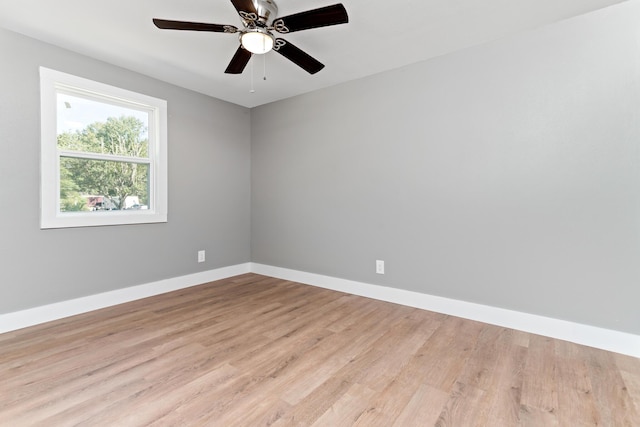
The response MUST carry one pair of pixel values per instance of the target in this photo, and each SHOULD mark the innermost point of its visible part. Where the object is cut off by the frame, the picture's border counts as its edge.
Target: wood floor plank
(446, 352)
(504, 407)
(535, 417)
(463, 408)
(540, 383)
(488, 366)
(345, 412)
(395, 376)
(424, 408)
(576, 404)
(258, 351)
(632, 383)
(614, 401)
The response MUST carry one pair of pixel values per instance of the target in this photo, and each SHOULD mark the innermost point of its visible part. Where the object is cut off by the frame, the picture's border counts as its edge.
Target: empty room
(309, 213)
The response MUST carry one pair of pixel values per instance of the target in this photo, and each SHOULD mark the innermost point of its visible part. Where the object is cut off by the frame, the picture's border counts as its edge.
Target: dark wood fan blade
(297, 56)
(239, 61)
(322, 17)
(246, 6)
(166, 24)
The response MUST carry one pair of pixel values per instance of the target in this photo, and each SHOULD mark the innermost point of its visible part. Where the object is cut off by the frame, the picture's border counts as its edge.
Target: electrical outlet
(201, 257)
(379, 266)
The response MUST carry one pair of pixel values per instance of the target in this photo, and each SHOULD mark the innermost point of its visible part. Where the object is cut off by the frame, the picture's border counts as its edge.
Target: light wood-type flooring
(258, 351)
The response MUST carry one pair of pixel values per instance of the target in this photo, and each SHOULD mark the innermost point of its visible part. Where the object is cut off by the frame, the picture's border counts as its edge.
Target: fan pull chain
(264, 75)
(252, 89)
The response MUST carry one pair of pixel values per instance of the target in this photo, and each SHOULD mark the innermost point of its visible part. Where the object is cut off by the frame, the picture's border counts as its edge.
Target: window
(103, 154)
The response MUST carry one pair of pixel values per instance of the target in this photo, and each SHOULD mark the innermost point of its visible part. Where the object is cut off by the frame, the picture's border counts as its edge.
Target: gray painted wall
(506, 175)
(209, 189)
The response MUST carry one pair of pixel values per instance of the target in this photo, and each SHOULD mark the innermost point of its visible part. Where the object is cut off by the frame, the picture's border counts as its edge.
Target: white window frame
(51, 82)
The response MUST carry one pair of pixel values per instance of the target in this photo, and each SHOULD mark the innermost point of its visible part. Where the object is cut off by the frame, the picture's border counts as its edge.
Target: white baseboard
(606, 339)
(59, 310)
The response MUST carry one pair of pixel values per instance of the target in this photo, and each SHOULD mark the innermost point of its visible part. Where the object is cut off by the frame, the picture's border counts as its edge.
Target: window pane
(102, 148)
(95, 185)
(99, 127)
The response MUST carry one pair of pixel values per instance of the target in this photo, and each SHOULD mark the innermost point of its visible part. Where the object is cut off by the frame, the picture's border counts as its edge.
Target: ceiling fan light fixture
(257, 40)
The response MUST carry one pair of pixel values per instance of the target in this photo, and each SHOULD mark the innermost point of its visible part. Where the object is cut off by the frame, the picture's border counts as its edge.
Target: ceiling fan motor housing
(266, 11)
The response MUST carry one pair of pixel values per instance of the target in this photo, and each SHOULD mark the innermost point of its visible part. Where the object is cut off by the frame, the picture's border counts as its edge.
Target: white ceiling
(381, 35)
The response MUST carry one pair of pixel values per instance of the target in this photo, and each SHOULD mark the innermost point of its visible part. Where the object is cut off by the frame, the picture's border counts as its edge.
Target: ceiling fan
(259, 20)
